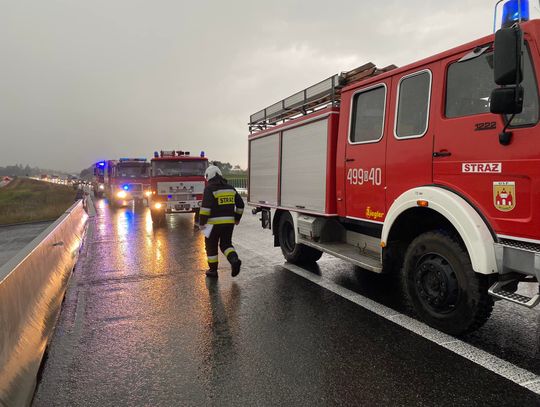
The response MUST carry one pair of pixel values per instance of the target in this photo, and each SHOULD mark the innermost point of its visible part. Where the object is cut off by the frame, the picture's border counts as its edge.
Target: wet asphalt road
(14, 238)
(141, 325)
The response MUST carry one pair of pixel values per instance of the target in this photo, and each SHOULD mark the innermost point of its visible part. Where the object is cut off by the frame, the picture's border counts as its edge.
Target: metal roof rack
(324, 93)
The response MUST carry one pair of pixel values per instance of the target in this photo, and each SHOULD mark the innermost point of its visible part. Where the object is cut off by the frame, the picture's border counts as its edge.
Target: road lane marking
(482, 358)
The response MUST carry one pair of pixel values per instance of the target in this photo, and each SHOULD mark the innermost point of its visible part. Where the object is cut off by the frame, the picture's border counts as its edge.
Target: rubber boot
(212, 271)
(235, 264)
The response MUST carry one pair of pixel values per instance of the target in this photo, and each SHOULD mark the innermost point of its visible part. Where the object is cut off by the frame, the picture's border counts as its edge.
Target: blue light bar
(512, 13)
(202, 153)
(101, 163)
(126, 187)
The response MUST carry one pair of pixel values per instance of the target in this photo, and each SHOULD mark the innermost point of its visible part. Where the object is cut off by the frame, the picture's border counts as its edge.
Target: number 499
(359, 176)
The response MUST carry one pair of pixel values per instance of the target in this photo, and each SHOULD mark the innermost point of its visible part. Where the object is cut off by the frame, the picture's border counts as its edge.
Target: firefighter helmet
(211, 172)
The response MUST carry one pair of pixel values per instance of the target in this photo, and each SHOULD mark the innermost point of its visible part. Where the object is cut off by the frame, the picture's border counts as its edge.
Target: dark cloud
(86, 80)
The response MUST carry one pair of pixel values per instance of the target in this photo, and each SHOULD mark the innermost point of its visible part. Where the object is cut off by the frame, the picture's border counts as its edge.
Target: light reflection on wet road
(141, 325)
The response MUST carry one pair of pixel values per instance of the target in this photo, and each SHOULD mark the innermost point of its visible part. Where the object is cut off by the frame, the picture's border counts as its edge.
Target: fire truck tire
(158, 217)
(292, 251)
(441, 287)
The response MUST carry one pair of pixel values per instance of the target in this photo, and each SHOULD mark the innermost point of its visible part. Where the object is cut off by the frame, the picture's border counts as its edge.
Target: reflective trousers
(221, 236)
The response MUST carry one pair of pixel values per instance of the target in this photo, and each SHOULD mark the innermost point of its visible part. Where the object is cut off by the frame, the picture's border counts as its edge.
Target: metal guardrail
(238, 181)
(32, 286)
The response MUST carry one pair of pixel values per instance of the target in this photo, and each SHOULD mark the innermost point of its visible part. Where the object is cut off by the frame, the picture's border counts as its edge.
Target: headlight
(101, 187)
(157, 205)
(148, 193)
(121, 194)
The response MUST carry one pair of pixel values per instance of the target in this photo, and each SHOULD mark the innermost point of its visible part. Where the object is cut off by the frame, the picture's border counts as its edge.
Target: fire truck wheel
(293, 252)
(158, 217)
(441, 286)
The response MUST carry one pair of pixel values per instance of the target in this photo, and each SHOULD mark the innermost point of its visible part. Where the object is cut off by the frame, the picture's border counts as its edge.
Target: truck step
(497, 290)
(350, 253)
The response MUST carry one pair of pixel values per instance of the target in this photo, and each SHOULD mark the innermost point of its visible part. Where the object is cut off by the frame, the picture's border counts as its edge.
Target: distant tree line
(20, 170)
(229, 169)
(87, 173)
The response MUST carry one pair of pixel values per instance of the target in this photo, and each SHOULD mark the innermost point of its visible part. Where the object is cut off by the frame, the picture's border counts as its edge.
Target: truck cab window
(368, 115)
(469, 84)
(413, 105)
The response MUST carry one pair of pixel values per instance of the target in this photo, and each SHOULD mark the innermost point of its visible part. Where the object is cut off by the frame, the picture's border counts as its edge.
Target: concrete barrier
(32, 286)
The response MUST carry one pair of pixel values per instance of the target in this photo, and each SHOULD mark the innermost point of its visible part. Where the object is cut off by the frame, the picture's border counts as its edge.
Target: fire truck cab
(430, 171)
(177, 183)
(127, 180)
(98, 181)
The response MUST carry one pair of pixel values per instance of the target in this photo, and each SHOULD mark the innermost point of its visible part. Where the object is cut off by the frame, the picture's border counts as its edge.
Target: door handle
(442, 154)
(348, 160)
(57, 244)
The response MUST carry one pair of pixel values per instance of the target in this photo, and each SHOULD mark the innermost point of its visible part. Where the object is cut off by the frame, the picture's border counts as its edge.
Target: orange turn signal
(422, 203)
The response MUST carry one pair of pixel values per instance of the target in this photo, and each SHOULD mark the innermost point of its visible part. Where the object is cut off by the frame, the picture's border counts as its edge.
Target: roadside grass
(28, 200)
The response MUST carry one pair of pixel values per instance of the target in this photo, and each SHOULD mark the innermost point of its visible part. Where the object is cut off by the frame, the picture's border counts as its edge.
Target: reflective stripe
(239, 211)
(212, 259)
(229, 251)
(204, 211)
(223, 220)
(224, 192)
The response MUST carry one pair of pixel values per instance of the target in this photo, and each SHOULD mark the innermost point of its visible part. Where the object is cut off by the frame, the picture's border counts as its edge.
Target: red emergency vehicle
(98, 180)
(177, 183)
(127, 180)
(430, 171)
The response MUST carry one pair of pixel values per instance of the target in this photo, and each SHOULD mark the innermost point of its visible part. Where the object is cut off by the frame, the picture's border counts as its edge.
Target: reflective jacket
(221, 204)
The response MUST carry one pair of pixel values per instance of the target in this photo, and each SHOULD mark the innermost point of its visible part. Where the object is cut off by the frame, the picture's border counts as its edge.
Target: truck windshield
(170, 168)
(132, 171)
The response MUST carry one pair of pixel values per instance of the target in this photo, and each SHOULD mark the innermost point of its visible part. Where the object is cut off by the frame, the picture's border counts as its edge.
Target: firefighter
(221, 209)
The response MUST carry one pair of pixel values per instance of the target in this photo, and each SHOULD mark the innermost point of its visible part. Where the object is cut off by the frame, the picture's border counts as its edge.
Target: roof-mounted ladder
(324, 93)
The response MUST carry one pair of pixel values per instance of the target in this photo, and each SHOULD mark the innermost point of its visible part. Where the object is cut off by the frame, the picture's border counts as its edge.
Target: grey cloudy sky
(87, 80)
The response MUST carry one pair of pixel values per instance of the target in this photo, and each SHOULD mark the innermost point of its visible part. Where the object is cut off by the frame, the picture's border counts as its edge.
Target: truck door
(410, 143)
(469, 158)
(365, 153)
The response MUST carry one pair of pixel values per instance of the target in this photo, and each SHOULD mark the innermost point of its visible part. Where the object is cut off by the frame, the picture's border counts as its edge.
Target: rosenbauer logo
(481, 168)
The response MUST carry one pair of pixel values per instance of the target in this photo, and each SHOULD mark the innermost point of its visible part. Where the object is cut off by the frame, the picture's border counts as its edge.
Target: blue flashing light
(156, 154)
(125, 187)
(101, 163)
(512, 13)
(202, 154)
(169, 196)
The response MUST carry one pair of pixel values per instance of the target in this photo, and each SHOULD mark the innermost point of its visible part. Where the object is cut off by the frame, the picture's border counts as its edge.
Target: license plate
(181, 207)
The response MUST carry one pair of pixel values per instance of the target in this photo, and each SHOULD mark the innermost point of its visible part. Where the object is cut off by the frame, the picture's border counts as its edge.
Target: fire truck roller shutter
(468, 223)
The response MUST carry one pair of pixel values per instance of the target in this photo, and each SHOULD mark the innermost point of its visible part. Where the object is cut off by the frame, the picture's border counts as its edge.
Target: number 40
(359, 176)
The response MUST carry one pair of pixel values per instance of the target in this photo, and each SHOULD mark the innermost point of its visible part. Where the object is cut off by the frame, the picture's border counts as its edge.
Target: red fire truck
(127, 180)
(98, 181)
(177, 183)
(430, 171)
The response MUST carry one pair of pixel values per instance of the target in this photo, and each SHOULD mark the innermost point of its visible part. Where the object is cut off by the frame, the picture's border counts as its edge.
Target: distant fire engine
(127, 180)
(430, 171)
(177, 183)
(98, 180)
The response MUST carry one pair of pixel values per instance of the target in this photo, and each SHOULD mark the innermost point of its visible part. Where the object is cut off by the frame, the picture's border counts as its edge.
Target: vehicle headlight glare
(121, 194)
(157, 205)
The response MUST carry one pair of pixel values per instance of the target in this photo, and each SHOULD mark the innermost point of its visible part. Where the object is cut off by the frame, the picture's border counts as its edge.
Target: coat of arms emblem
(504, 195)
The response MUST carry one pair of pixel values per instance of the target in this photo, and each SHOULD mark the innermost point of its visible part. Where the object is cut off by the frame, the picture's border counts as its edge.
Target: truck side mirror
(507, 58)
(507, 100)
(507, 72)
